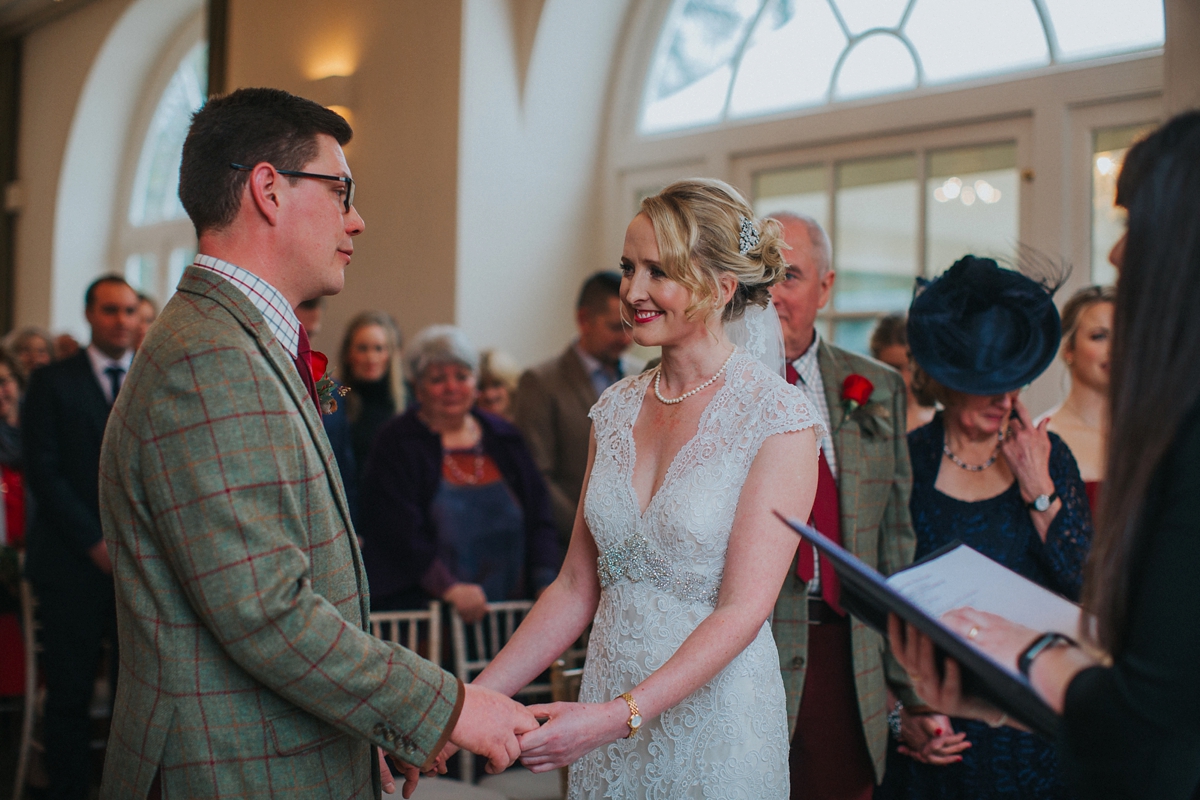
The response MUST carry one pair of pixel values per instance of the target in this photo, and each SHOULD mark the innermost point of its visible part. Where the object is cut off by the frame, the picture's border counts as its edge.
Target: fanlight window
(155, 196)
(732, 59)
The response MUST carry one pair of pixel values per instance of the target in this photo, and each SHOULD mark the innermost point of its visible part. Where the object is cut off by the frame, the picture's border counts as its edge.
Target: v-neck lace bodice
(660, 571)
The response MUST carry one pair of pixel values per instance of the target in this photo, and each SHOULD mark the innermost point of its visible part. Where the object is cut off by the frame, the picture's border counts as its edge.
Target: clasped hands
(509, 731)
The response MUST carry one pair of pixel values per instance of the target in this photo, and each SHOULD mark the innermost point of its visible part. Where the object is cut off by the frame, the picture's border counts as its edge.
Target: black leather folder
(866, 594)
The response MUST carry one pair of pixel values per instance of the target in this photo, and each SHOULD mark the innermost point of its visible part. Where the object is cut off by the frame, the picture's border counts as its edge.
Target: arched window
(155, 240)
(732, 59)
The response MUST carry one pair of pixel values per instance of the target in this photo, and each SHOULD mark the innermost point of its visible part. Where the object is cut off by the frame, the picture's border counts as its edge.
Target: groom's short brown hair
(248, 126)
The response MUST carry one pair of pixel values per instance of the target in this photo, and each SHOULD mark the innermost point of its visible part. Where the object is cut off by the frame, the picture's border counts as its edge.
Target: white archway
(96, 147)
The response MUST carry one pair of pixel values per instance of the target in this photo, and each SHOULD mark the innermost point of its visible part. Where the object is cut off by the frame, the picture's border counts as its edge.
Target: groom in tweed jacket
(836, 670)
(247, 668)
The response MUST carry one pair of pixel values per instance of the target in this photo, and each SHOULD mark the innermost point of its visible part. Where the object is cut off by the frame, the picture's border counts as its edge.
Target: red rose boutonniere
(857, 405)
(856, 391)
(327, 389)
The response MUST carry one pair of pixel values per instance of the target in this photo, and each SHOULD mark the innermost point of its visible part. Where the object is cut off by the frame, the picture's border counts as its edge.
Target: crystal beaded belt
(635, 560)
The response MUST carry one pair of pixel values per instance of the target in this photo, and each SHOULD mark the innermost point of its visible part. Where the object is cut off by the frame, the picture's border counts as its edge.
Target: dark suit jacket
(553, 401)
(62, 425)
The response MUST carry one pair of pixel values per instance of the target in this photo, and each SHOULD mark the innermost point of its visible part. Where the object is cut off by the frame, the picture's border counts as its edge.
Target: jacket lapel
(213, 286)
(93, 399)
(578, 378)
(846, 443)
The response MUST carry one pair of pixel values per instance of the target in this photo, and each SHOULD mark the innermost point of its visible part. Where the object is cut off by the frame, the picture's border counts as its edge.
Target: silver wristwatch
(1042, 501)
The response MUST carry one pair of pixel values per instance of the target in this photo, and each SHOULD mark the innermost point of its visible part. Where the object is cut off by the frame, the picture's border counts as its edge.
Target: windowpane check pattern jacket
(874, 484)
(247, 669)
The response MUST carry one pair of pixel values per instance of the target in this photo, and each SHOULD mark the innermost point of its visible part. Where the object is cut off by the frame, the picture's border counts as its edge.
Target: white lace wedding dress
(659, 573)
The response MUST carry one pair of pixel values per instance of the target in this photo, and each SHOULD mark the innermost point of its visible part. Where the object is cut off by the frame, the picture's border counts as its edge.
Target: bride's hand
(572, 731)
(439, 764)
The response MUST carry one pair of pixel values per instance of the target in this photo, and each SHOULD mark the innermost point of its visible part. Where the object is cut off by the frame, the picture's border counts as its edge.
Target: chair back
(419, 631)
(33, 694)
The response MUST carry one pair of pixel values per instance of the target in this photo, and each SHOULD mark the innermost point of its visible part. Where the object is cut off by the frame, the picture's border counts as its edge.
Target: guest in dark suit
(65, 411)
(554, 398)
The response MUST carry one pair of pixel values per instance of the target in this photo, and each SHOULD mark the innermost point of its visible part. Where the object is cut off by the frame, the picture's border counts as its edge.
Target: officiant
(983, 473)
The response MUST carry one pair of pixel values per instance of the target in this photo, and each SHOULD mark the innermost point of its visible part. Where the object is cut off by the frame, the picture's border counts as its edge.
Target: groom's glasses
(347, 198)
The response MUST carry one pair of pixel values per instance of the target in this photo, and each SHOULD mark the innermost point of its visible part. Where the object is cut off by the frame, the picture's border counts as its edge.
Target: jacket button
(379, 729)
(798, 662)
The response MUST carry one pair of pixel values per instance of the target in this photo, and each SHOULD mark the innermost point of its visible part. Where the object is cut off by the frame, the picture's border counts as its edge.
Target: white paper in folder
(966, 577)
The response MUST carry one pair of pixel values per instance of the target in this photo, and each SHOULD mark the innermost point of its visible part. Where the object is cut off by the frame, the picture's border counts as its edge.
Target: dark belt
(821, 613)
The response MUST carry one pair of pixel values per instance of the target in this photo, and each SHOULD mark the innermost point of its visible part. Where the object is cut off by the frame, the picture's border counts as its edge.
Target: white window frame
(1060, 105)
(159, 238)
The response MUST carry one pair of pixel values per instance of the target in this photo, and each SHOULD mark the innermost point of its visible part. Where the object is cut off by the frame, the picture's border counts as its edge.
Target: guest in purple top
(453, 506)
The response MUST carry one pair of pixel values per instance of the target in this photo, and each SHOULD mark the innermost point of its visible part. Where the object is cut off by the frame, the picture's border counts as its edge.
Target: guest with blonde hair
(370, 366)
(1082, 419)
(498, 377)
(30, 348)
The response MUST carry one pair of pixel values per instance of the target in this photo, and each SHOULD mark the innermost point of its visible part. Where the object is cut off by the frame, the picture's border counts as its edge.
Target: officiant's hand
(573, 731)
(489, 725)
(914, 650)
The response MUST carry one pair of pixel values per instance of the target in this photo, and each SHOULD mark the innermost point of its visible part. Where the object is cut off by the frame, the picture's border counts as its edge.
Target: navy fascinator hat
(983, 330)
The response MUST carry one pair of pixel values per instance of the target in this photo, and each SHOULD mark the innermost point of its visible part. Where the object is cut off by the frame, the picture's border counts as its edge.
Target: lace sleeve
(1069, 537)
(785, 409)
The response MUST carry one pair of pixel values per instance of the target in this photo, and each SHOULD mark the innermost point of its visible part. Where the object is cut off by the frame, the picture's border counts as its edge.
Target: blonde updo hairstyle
(697, 224)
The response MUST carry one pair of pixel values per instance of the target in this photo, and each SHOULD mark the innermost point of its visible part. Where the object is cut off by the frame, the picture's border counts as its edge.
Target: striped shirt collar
(265, 297)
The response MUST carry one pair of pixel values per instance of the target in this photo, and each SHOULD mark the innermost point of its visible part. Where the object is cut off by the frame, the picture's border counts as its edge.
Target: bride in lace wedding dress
(676, 556)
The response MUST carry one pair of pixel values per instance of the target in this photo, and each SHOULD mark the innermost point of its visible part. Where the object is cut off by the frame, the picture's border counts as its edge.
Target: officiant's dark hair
(248, 126)
(1156, 346)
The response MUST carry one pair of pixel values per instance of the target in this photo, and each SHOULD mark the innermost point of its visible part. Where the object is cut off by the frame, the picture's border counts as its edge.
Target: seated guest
(889, 344)
(554, 397)
(984, 474)
(453, 506)
(370, 368)
(1131, 722)
(12, 530)
(498, 376)
(1082, 419)
(30, 348)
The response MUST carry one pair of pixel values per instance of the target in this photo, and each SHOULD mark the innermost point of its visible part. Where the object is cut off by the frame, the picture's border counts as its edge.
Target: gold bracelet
(635, 716)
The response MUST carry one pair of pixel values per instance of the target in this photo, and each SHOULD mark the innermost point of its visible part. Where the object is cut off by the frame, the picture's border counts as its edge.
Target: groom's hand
(489, 725)
(411, 775)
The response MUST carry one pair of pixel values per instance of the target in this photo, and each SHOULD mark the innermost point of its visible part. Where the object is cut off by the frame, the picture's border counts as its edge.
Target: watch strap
(1040, 644)
(1050, 498)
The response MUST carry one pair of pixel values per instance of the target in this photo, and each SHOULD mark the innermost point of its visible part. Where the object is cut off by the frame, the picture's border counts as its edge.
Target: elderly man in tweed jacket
(247, 668)
(836, 670)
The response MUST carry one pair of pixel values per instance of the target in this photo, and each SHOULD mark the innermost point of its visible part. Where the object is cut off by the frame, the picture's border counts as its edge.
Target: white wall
(529, 215)
(97, 147)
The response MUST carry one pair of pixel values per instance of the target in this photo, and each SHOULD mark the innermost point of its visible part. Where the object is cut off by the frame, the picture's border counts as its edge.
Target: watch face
(635, 721)
(1042, 502)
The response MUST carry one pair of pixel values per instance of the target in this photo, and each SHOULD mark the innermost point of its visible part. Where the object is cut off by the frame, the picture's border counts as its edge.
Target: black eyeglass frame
(348, 200)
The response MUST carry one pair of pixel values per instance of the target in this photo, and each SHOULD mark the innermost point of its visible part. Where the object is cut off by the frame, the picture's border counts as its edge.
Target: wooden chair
(34, 694)
(477, 644)
(412, 629)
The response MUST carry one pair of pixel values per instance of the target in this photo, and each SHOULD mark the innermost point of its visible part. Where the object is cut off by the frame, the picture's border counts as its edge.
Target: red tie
(303, 361)
(826, 517)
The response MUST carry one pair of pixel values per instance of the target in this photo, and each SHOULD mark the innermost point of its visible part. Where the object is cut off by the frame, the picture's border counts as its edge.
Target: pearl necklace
(958, 462)
(686, 395)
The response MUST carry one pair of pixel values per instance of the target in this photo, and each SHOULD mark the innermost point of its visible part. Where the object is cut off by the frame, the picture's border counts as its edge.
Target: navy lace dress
(1002, 762)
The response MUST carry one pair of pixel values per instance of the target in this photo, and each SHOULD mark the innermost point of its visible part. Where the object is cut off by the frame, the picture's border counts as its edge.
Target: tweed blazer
(247, 668)
(874, 483)
(553, 401)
